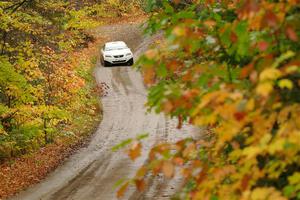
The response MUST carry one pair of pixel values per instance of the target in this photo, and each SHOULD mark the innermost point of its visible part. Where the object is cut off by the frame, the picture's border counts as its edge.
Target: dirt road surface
(91, 173)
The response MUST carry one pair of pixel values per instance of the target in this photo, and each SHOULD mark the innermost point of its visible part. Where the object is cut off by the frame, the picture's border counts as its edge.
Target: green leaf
(142, 136)
(121, 145)
(243, 42)
(119, 183)
(288, 190)
(214, 197)
(162, 71)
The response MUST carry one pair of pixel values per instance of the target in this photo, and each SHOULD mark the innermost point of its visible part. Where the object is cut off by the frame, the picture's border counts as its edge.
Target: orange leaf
(270, 19)
(179, 122)
(245, 182)
(239, 116)
(141, 172)
(152, 154)
(168, 169)
(247, 70)
(122, 190)
(140, 185)
(186, 172)
(224, 171)
(233, 37)
(210, 23)
(156, 167)
(149, 76)
(291, 34)
(151, 54)
(189, 150)
(135, 150)
(263, 45)
(178, 161)
(174, 65)
(168, 107)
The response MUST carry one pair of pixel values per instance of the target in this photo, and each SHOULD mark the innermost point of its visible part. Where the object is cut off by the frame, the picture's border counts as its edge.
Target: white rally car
(116, 53)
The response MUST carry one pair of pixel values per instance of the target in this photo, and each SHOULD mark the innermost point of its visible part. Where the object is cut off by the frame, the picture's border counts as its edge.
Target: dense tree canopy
(42, 87)
(233, 67)
(38, 83)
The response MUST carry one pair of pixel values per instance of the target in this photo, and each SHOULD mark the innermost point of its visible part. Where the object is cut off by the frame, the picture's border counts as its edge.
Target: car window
(114, 48)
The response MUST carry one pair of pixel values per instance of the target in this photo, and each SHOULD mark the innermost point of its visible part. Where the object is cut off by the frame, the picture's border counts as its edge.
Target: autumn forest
(230, 68)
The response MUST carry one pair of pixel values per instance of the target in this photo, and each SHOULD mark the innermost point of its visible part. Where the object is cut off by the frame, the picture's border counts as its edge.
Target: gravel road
(91, 173)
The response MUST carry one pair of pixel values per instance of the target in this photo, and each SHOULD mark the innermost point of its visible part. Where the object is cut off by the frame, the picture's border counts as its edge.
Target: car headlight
(108, 56)
(128, 54)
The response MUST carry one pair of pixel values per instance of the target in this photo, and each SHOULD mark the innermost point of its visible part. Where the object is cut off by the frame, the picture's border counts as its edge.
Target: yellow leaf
(179, 31)
(252, 151)
(265, 139)
(294, 137)
(264, 89)
(269, 74)
(285, 83)
(276, 146)
(207, 120)
(227, 131)
(277, 105)
(292, 69)
(266, 194)
(250, 105)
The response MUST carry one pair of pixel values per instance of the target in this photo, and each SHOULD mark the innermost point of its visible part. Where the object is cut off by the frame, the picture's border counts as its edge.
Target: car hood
(117, 52)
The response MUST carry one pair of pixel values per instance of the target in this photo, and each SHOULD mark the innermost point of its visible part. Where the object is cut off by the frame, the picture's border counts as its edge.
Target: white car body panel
(116, 53)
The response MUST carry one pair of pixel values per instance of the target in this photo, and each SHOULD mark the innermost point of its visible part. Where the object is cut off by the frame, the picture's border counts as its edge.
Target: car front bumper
(114, 60)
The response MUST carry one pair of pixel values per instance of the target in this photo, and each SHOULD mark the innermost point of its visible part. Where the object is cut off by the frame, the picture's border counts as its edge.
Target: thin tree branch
(16, 6)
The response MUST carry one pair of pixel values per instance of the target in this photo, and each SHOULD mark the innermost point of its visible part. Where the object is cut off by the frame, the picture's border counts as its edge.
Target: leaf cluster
(232, 67)
(42, 87)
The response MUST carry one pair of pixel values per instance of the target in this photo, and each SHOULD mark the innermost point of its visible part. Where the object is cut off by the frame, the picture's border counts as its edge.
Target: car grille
(119, 61)
(118, 56)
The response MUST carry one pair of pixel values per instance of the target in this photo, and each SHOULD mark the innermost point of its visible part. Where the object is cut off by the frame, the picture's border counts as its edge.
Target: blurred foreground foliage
(46, 88)
(234, 68)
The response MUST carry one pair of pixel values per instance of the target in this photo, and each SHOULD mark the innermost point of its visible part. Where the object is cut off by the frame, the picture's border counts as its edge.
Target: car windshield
(114, 48)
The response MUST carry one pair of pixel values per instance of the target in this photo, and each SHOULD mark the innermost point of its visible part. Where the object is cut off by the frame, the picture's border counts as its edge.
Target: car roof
(115, 44)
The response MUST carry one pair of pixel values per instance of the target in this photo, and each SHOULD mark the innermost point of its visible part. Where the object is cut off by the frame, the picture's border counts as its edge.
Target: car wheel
(106, 64)
(130, 62)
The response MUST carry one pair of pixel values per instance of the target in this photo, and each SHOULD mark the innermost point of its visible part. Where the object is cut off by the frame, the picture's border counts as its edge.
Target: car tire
(106, 64)
(130, 62)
